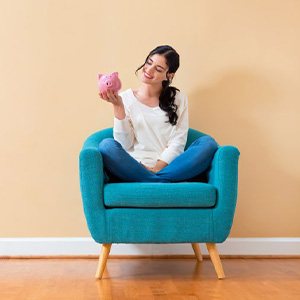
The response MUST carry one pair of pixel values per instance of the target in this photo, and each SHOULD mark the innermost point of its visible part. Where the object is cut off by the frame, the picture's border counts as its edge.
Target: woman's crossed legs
(192, 162)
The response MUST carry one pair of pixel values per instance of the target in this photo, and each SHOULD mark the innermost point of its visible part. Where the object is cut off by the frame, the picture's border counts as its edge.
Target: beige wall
(240, 67)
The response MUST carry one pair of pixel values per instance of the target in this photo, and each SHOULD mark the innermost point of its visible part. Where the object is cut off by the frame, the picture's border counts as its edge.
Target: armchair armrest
(91, 185)
(223, 174)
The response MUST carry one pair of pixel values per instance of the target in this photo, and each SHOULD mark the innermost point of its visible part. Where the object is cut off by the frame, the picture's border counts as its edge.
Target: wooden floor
(40, 279)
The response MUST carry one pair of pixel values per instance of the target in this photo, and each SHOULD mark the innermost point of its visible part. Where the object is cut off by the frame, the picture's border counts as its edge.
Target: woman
(151, 126)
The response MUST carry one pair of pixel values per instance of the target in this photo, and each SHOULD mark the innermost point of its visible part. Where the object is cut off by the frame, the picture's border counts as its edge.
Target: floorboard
(149, 278)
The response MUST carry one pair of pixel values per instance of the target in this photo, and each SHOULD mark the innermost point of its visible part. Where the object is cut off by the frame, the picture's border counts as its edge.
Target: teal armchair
(199, 211)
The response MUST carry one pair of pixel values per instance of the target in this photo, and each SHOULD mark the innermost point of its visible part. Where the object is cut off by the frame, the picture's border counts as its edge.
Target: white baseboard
(86, 246)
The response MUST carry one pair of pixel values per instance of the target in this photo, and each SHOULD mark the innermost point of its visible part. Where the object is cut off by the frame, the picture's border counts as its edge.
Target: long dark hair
(167, 96)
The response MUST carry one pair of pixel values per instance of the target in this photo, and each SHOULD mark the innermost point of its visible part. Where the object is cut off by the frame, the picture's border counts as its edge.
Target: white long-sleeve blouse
(146, 133)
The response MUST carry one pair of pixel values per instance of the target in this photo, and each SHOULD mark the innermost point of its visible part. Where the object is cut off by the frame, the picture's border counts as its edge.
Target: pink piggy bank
(109, 81)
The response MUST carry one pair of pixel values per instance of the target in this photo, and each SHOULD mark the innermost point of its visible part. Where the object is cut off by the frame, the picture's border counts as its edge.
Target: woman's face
(155, 70)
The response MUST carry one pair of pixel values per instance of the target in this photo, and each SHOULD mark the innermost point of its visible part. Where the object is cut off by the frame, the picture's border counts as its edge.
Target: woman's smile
(147, 75)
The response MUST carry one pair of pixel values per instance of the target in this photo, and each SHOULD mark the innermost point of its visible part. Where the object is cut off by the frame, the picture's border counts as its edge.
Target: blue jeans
(191, 163)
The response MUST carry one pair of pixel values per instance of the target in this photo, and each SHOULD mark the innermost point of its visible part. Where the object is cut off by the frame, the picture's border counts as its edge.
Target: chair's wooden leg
(102, 260)
(215, 258)
(197, 251)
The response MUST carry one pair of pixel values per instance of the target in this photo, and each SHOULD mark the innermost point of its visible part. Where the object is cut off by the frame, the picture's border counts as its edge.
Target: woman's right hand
(112, 97)
(116, 101)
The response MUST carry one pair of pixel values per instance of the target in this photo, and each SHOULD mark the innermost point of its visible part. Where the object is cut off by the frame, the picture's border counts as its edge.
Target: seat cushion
(148, 194)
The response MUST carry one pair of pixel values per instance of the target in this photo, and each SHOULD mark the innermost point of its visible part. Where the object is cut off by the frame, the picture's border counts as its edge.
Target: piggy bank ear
(115, 74)
(99, 76)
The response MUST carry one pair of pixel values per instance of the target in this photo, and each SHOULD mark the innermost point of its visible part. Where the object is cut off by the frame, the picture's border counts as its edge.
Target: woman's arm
(177, 140)
(116, 101)
(178, 137)
(119, 111)
(123, 130)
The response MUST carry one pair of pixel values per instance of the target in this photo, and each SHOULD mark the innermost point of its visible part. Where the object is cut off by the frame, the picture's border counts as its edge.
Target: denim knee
(106, 145)
(207, 139)
(211, 143)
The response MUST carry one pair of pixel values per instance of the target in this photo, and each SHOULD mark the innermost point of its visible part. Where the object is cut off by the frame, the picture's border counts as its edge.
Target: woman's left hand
(158, 166)
(148, 168)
